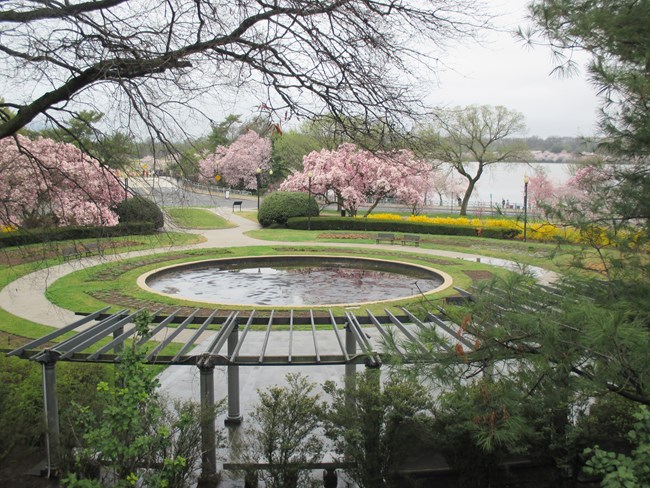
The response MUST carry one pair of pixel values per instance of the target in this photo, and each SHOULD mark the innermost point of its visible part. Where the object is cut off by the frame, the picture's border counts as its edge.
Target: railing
(212, 189)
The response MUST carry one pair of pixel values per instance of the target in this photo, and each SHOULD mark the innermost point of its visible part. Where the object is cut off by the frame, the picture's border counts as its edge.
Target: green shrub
(140, 209)
(278, 207)
(346, 223)
(24, 237)
(21, 403)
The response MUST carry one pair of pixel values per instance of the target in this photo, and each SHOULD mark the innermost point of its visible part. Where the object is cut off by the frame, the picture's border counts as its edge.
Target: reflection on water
(289, 285)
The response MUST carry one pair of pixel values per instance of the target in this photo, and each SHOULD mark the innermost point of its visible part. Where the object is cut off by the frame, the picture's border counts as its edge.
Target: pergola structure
(225, 347)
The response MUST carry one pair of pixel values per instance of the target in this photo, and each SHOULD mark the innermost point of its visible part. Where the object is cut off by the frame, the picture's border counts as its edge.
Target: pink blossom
(590, 177)
(541, 189)
(238, 163)
(44, 177)
(350, 176)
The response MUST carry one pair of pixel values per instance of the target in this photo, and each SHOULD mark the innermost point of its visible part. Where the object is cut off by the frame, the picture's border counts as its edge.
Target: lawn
(544, 255)
(197, 218)
(16, 262)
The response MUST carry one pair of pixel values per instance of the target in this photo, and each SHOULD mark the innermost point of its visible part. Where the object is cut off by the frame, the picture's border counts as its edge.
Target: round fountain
(294, 281)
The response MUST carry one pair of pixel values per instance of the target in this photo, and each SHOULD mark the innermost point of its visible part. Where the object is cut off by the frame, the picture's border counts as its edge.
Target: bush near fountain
(280, 206)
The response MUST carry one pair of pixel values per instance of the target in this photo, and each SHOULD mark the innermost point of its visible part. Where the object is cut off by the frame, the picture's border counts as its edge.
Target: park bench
(70, 252)
(236, 203)
(93, 248)
(411, 239)
(383, 236)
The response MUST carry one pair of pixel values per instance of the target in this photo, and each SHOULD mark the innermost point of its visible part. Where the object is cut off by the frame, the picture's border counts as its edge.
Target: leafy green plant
(25, 237)
(621, 470)
(285, 433)
(377, 428)
(21, 403)
(137, 435)
(343, 223)
(140, 209)
(278, 207)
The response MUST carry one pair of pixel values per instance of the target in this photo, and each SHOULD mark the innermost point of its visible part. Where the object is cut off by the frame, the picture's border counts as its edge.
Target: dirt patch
(479, 275)
(13, 341)
(117, 298)
(117, 269)
(344, 236)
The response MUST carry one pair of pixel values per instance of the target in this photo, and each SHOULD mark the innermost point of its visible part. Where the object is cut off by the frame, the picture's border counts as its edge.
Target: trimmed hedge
(140, 209)
(54, 234)
(280, 206)
(347, 223)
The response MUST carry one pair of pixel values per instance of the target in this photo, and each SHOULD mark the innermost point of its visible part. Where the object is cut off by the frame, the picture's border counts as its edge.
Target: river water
(505, 181)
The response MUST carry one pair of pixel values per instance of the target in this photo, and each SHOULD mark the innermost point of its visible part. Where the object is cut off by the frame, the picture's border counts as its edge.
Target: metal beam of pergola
(100, 337)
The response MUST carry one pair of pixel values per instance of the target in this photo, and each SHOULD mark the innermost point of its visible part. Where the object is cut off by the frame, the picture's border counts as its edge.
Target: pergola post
(118, 347)
(234, 417)
(373, 371)
(52, 432)
(208, 427)
(351, 350)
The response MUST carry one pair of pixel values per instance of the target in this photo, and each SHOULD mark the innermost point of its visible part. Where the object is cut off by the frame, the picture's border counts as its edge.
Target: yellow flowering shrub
(536, 231)
(444, 220)
(385, 216)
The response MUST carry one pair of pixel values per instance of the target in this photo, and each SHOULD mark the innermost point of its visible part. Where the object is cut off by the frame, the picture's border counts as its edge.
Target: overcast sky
(503, 71)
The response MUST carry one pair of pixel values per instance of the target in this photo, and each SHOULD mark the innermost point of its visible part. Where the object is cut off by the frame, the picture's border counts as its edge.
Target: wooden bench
(93, 248)
(70, 252)
(383, 236)
(411, 239)
(236, 203)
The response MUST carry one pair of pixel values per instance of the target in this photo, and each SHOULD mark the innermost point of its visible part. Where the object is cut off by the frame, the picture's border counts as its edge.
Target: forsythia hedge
(384, 216)
(537, 231)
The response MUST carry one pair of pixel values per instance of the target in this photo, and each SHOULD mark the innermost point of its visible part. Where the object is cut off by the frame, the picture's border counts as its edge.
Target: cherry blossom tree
(541, 189)
(237, 164)
(350, 176)
(43, 181)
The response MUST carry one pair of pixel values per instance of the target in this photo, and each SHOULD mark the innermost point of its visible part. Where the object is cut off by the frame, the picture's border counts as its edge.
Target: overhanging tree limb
(344, 56)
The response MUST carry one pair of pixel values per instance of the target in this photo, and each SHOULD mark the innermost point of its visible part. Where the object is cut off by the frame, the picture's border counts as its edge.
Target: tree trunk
(372, 207)
(466, 197)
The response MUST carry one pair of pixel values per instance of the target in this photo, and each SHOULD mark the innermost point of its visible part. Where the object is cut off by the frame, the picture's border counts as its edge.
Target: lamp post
(258, 176)
(526, 180)
(310, 175)
(258, 172)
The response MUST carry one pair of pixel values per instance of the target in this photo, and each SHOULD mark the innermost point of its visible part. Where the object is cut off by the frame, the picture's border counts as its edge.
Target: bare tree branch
(356, 60)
